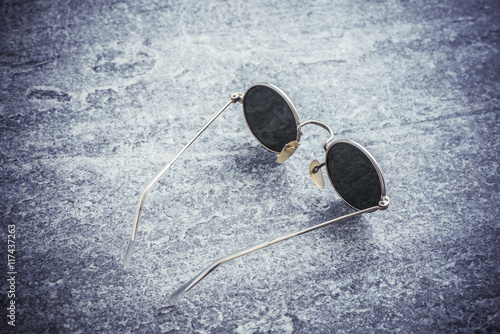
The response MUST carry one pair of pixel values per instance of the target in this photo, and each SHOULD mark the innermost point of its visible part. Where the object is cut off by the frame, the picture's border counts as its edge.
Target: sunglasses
(273, 121)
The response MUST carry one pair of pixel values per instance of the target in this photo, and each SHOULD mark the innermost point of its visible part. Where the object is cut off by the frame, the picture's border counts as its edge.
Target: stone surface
(95, 98)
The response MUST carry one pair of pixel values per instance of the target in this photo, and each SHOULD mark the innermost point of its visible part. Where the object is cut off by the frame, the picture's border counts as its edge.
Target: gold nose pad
(316, 174)
(287, 151)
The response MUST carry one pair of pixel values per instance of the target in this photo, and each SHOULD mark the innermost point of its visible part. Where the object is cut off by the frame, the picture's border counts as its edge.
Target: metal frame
(322, 125)
(239, 97)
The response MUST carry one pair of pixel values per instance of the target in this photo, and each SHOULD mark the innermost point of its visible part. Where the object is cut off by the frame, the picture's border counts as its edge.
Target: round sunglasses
(352, 170)
(273, 121)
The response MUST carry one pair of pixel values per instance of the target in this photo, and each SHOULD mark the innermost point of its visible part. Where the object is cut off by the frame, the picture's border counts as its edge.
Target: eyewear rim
(287, 100)
(383, 189)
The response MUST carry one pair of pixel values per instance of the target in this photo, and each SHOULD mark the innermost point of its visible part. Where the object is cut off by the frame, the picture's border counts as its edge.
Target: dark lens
(269, 117)
(354, 175)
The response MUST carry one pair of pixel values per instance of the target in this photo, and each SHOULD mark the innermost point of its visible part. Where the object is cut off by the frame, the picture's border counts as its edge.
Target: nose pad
(287, 151)
(316, 174)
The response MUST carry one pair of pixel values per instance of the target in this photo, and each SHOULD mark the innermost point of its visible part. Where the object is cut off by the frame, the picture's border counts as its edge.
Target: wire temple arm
(181, 291)
(234, 98)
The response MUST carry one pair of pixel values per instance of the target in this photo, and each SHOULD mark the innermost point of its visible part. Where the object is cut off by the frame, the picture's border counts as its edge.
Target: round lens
(270, 117)
(354, 175)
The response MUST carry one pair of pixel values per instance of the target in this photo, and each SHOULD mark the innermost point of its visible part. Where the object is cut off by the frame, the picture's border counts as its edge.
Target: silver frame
(239, 97)
(287, 100)
(322, 125)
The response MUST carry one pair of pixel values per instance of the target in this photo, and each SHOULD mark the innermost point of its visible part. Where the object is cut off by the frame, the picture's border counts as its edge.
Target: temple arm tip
(176, 296)
(128, 255)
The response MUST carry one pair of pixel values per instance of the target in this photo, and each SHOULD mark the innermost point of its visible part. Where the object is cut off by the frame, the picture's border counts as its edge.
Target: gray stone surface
(96, 97)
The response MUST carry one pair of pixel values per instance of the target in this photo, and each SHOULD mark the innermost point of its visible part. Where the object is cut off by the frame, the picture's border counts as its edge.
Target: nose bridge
(320, 124)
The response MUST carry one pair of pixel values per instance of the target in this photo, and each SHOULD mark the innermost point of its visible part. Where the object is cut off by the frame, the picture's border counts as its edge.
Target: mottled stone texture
(95, 97)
